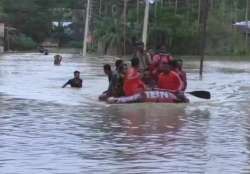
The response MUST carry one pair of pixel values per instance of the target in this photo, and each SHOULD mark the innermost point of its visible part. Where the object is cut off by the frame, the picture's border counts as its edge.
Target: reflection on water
(46, 129)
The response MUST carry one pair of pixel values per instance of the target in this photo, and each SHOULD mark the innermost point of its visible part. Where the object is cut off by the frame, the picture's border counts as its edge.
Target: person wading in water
(76, 82)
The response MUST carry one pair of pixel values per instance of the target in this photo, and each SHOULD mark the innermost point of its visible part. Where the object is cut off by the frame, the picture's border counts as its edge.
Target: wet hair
(76, 72)
(179, 60)
(135, 62)
(120, 68)
(46, 52)
(139, 44)
(107, 67)
(118, 63)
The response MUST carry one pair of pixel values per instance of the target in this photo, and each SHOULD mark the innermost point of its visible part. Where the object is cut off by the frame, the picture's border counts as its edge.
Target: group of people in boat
(151, 77)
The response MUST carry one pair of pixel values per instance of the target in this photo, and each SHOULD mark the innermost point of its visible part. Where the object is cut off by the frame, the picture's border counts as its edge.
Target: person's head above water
(57, 59)
(107, 69)
(46, 52)
(77, 74)
(118, 63)
(135, 62)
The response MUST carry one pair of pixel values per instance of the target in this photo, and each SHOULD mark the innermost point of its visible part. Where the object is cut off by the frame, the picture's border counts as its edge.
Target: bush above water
(23, 43)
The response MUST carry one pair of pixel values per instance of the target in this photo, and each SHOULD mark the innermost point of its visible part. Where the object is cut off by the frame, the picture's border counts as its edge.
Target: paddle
(200, 94)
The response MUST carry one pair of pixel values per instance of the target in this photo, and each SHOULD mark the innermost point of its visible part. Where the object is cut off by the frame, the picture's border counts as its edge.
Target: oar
(200, 94)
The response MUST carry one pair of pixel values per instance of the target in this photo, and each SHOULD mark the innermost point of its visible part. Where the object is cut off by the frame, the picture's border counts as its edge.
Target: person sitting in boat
(159, 58)
(142, 55)
(132, 82)
(178, 68)
(169, 90)
(57, 59)
(170, 80)
(112, 80)
(76, 82)
(148, 79)
(119, 76)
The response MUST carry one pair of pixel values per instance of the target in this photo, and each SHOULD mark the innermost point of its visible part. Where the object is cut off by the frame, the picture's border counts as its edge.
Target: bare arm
(67, 83)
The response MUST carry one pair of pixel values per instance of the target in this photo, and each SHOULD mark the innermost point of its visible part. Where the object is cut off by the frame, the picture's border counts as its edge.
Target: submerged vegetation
(115, 25)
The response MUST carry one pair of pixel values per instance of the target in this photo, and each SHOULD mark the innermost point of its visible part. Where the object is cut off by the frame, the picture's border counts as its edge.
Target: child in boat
(132, 81)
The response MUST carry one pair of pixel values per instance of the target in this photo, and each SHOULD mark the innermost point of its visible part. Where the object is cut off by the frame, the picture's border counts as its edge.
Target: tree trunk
(125, 26)
(100, 7)
(199, 11)
(138, 11)
(246, 19)
(176, 6)
(205, 8)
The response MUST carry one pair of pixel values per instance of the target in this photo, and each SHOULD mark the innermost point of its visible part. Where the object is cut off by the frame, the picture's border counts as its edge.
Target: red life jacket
(171, 82)
(133, 83)
(183, 77)
(157, 60)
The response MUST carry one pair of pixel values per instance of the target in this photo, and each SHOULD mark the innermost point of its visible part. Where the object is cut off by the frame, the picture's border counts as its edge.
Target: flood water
(49, 130)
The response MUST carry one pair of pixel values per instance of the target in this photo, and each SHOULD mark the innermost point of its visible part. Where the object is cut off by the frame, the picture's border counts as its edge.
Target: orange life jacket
(132, 82)
(171, 82)
(157, 60)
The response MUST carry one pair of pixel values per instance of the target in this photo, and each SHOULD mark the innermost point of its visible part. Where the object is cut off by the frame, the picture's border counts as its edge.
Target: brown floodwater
(49, 130)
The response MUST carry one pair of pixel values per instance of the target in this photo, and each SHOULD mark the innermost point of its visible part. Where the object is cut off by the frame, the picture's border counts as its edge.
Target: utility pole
(145, 25)
(205, 8)
(84, 51)
(246, 20)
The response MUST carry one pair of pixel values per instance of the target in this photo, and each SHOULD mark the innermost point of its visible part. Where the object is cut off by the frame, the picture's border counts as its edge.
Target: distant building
(63, 24)
(1, 37)
(243, 26)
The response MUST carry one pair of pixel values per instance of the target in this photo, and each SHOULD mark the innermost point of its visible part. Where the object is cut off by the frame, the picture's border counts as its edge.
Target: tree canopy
(174, 23)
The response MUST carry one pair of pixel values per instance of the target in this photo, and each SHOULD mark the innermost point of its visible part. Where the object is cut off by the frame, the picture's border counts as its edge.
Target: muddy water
(47, 129)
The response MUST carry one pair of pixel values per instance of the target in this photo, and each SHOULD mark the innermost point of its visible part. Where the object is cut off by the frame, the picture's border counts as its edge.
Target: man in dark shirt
(76, 82)
(112, 82)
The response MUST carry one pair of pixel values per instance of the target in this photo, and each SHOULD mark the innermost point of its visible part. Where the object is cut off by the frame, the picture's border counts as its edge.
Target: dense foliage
(174, 23)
